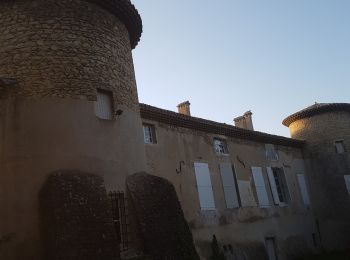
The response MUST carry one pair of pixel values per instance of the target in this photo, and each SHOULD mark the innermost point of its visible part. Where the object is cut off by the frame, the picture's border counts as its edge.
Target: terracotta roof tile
(199, 124)
(127, 13)
(315, 109)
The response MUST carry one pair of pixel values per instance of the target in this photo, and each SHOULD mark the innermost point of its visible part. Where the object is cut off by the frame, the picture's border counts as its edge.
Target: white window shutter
(347, 182)
(273, 185)
(205, 190)
(260, 187)
(103, 107)
(303, 189)
(229, 185)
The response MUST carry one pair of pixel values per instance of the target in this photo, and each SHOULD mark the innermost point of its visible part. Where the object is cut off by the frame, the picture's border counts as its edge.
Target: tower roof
(317, 108)
(127, 13)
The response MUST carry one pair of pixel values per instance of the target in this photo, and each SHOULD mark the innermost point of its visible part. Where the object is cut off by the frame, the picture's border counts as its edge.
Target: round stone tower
(326, 130)
(68, 100)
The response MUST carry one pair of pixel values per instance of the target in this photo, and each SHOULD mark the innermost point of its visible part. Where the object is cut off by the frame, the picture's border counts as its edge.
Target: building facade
(69, 104)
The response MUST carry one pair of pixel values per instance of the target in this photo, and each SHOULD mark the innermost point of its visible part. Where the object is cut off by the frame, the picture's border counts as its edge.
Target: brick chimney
(245, 121)
(184, 108)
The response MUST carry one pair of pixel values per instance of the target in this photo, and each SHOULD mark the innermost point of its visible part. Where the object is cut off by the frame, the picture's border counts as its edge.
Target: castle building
(74, 131)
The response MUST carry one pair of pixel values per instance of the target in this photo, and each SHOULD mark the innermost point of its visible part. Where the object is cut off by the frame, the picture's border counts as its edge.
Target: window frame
(225, 151)
(269, 148)
(209, 204)
(341, 141)
(152, 132)
(282, 185)
(110, 95)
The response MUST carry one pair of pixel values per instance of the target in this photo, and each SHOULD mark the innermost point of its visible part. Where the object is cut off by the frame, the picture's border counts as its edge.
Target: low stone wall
(162, 225)
(76, 218)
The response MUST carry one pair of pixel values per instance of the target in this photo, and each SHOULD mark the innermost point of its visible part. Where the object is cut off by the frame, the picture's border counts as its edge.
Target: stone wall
(326, 170)
(321, 131)
(65, 49)
(161, 222)
(76, 218)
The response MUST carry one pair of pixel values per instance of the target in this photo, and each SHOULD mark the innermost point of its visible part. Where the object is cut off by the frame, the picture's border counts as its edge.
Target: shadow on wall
(76, 218)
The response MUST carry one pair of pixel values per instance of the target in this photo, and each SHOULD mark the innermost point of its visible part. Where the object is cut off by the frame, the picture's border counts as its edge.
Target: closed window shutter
(347, 182)
(273, 185)
(103, 108)
(260, 187)
(303, 189)
(229, 185)
(205, 191)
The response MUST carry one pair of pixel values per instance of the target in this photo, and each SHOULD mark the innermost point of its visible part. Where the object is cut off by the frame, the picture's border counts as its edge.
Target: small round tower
(326, 129)
(68, 100)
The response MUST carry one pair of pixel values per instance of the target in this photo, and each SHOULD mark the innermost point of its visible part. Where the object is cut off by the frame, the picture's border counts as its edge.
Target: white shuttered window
(347, 182)
(229, 185)
(260, 187)
(273, 186)
(303, 189)
(104, 105)
(205, 190)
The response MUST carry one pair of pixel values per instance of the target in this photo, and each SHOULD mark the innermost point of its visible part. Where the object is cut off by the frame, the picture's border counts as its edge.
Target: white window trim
(262, 195)
(209, 187)
(273, 187)
(306, 197)
(227, 187)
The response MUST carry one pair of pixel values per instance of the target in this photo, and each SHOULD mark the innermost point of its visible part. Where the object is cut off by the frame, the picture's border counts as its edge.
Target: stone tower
(56, 58)
(326, 130)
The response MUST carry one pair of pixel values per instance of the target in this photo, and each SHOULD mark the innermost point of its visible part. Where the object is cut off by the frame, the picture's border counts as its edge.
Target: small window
(278, 184)
(339, 146)
(149, 133)
(271, 153)
(104, 104)
(347, 182)
(220, 146)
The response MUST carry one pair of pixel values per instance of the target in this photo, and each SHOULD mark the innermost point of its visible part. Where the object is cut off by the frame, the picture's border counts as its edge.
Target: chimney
(184, 108)
(245, 121)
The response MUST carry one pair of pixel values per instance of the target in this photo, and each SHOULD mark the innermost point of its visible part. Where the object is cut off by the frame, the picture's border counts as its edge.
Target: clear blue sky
(273, 57)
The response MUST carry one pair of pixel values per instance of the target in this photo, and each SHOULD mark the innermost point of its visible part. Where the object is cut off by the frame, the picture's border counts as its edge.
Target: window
(260, 187)
(220, 146)
(149, 134)
(229, 185)
(303, 189)
(278, 186)
(271, 248)
(104, 104)
(271, 153)
(347, 182)
(205, 190)
(339, 146)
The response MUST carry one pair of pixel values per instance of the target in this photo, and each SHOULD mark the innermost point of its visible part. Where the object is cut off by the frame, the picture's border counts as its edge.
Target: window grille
(220, 146)
(119, 214)
(149, 134)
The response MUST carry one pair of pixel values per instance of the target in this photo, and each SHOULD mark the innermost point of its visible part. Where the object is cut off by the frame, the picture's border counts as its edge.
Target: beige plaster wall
(249, 224)
(42, 136)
